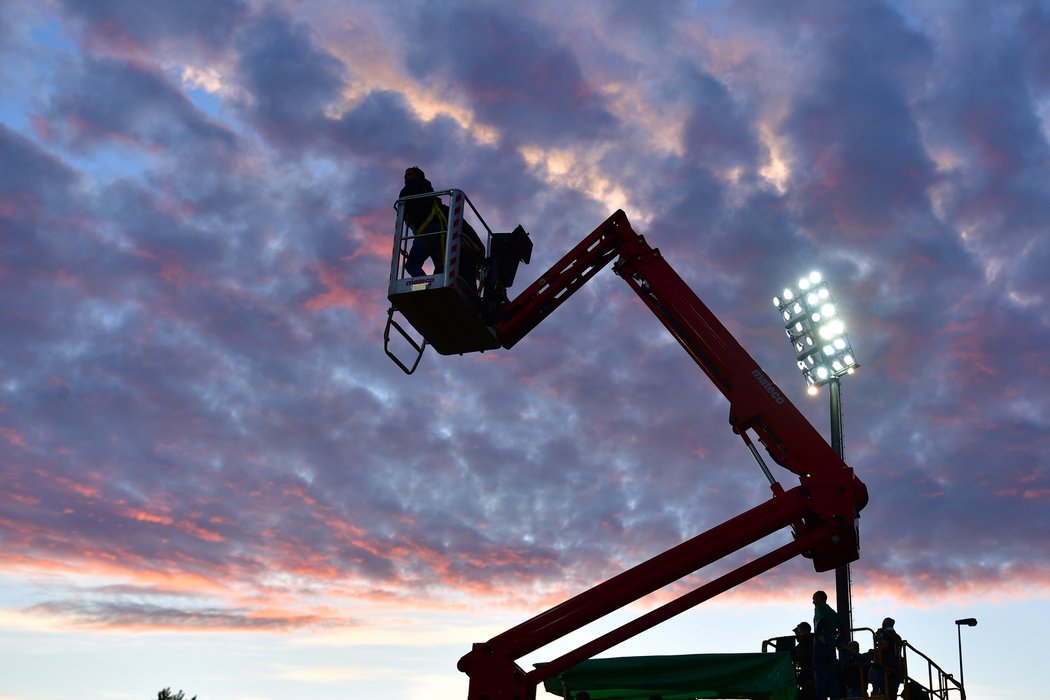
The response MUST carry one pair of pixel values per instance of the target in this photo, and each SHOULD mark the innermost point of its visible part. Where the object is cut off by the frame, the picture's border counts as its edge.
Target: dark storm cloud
(1035, 29)
(147, 616)
(204, 24)
(6, 33)
(31, 175)
(108, 100)
(997, 194)
(858, 148)
(193, 379)
(988, 110)
(290, 79)
(688, 193)
(382, 126)
(963, 432)
(718, 132)
(40, 208)
(513, 72)
(648, 22)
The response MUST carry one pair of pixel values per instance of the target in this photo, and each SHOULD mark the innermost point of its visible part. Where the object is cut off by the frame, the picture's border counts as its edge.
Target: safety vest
(437, 212)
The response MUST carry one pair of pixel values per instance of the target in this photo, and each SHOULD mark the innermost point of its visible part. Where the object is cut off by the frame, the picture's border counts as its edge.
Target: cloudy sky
(214, 478)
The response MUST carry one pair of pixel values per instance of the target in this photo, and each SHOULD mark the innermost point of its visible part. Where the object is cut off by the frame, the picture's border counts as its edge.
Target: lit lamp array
(817, 333)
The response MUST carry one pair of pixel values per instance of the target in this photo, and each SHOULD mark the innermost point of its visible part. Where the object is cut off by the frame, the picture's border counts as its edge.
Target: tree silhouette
(166, 694)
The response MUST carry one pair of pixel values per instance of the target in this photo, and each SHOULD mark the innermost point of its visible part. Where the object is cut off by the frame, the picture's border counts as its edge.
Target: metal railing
(404, 236)
(921, 678)
(939, 684)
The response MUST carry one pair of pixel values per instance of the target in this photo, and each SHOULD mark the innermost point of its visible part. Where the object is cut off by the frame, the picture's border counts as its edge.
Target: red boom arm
(822, 509)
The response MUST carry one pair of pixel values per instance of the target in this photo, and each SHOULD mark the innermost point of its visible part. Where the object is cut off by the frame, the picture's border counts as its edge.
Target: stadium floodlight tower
(823, 352)
(816, 332)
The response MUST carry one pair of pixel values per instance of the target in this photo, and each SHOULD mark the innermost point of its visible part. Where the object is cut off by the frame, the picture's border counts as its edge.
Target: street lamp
(823, 354)
(969, 622)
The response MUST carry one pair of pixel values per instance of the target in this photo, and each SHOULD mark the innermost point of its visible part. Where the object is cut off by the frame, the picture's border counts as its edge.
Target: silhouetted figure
(855, 669)
(428, 222)
(885, 675)
(802, 657)
(826, 627)
(428, 217)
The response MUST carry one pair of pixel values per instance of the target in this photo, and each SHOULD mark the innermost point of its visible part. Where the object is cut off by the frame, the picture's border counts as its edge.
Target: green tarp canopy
(681, 677)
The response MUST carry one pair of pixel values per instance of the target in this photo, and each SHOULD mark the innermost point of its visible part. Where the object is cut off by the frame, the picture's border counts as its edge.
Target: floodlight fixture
(816, 331)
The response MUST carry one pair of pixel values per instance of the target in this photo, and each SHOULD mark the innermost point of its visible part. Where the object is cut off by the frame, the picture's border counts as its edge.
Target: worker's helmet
(413, 172)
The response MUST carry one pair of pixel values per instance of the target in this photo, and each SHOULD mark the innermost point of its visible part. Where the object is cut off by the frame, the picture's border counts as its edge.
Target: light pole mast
(824, 354)
(843, 590)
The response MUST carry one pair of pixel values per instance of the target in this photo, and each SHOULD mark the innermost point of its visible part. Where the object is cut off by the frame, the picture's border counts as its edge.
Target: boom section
(756, 403)
(561, 281)
(821, 511)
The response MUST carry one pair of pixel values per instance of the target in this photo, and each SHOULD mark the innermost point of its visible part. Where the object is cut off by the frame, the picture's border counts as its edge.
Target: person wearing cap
(802, 656)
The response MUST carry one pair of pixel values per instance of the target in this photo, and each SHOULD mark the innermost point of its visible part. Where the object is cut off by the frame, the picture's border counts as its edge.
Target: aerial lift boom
(821, 510)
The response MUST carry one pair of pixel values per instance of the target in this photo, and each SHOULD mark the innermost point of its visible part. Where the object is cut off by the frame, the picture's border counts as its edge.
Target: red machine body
(821, 510)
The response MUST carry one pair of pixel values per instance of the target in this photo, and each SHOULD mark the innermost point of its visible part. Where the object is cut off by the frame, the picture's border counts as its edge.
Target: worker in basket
(428, 219)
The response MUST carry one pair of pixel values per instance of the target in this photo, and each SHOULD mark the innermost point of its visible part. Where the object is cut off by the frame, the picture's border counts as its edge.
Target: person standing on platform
(826, 629)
